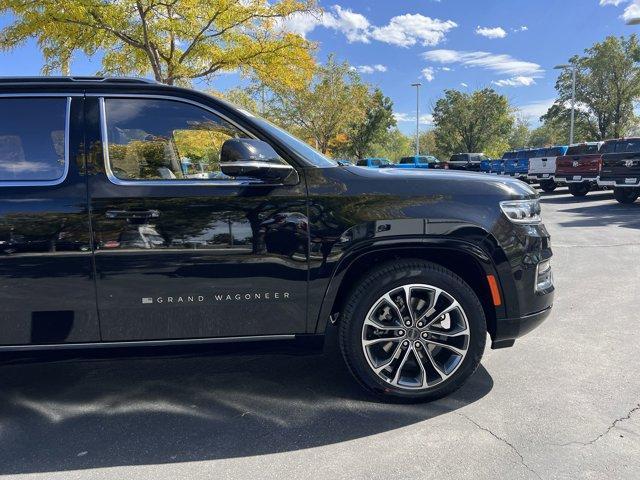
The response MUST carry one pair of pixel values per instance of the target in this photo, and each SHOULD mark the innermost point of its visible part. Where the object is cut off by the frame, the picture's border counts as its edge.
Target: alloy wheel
(415, 336)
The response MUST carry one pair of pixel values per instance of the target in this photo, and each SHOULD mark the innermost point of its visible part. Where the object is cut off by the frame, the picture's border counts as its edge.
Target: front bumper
(508, 329)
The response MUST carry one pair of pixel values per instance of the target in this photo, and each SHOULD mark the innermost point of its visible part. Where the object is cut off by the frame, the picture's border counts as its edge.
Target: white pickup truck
(542, 167)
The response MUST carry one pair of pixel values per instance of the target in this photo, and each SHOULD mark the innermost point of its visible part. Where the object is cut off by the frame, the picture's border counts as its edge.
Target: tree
(428, 143)
(176, 41)
(520, 134)
(323, 108)
(363, 133)
(607, 84)
(557, 121)
(471, 122)
(394, 145)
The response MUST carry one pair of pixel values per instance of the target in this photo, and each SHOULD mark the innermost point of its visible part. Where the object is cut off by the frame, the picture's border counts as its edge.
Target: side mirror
(248, 157)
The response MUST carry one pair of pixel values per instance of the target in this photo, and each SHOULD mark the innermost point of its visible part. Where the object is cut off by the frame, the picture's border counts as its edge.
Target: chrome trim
(40, 94)
(143, 343)
(65, 171)
(612, 183)
(256, 164)
(157, 183)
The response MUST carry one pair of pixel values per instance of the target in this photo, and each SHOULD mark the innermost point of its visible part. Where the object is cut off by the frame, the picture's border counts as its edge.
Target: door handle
(132, 214)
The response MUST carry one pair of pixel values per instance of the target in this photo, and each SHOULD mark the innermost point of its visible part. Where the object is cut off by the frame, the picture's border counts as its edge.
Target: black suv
(466, 161)
(137, 214)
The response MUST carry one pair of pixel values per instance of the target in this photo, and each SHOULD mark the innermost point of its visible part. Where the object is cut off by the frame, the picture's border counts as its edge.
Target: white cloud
(615, 3)
(534, 110)
(491, 32)
(519, 81)
(370, 68)
(425, 119)
(521, 28)
(462, 84)
(446, 69)
(407, 30)
(428, 74)
(403, 30)
(499, 63)
(631, 14)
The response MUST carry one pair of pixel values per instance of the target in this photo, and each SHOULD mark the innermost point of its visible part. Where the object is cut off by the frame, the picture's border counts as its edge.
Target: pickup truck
(621, 168)
(516, 164)
(497, 167)
(542, 167)
(421, 161)
(408, 272)
(374, 162)
(579, 168)
(485, 165)
(469, 162)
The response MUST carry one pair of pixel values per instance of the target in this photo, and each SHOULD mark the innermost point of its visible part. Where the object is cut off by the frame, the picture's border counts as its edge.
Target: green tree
(363, 133)
(176, 41)
(471, 122)
(394, 145)
(520, 134)
(428, 145)
(607, 84)
(323, 109)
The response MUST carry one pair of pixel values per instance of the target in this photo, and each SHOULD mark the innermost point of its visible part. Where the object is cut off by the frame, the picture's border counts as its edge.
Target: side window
(32, 140)
(152, 139)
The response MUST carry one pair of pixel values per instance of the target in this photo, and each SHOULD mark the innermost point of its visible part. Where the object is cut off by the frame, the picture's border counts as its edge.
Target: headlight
(522, 211)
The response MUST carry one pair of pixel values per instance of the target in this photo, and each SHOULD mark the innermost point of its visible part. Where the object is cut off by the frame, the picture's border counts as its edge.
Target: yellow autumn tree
(175, 41)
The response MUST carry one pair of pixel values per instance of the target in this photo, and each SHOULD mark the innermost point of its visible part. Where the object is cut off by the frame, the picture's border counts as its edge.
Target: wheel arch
(465, 259)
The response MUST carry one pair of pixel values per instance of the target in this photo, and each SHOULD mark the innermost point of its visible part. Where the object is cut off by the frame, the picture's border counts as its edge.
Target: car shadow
(564, 197)
(625, 216)
(80, 414)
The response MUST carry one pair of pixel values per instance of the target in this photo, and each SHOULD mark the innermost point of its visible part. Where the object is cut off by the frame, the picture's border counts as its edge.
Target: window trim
(164, 183)
(67, 126)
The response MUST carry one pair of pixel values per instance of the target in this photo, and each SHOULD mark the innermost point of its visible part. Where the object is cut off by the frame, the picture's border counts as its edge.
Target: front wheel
(412, 331)
(579, 189)
(548, 186)
(626, 195)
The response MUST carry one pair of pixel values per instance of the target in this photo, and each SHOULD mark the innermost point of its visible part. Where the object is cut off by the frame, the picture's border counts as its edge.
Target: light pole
(573, 96)
(417, 85)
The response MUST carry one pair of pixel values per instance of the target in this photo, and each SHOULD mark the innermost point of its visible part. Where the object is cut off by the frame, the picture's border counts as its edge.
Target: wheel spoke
(423, 370)
(434, 364)
(396, 378)
(407, 302)
(432, 306)
(374, 323)
(444, 333)
(380, 368)
(368, 343)
(387, 298)
(457, 351)
(450, 308)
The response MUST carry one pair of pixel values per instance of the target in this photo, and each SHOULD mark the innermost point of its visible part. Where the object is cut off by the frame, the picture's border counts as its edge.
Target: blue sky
(511, 45)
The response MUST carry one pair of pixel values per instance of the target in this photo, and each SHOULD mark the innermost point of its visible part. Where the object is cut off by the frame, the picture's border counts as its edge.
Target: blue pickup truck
(516, 163)
(421, 161)
(373, 162)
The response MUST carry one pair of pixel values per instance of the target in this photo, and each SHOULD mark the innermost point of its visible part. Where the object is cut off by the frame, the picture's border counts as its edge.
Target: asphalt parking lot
(564, 402)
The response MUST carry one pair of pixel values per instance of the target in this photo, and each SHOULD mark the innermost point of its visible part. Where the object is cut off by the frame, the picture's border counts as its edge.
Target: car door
(182, 250)
(47, 291)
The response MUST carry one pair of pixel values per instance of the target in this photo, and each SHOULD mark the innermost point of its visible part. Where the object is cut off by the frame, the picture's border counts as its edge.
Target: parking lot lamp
(417, 85)
(573, 96)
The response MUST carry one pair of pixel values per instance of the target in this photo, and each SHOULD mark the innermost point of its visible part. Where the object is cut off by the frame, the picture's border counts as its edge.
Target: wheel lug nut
(420, 324)
(407, 323)
(418, 344)
(425, 335)
(405, 343)
(400, 333)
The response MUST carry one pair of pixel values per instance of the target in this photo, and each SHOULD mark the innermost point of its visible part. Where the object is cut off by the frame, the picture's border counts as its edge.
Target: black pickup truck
(469, 162)
(621, 168)
(134, 214)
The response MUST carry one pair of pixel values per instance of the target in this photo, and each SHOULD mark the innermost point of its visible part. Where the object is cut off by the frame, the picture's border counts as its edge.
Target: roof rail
(76, 79)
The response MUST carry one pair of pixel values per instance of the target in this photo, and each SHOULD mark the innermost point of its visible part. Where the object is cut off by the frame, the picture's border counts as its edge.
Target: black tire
(579, 189)
(626, 195)
(548, 186)
(385, 278)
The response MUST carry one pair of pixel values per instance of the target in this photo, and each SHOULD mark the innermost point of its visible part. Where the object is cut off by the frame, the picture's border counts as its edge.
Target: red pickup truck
(580, 167)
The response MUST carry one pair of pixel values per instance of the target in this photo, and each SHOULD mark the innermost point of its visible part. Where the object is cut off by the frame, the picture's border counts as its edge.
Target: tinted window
(553, 152)
(362, 163)
(32, 139)
(583, 149)
(622, 146)
(459, 158)
(406, 160)
(165, 140)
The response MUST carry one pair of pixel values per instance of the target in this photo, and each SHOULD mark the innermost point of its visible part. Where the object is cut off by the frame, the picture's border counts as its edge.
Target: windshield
(622, 146)
(298, 146)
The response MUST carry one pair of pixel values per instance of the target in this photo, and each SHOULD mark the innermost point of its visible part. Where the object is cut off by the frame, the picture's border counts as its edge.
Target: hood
(447, 181)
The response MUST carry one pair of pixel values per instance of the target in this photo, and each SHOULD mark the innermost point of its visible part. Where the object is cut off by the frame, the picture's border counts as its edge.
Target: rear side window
(406, 160)
(156, 139)
(32, 140)
(361, 163)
